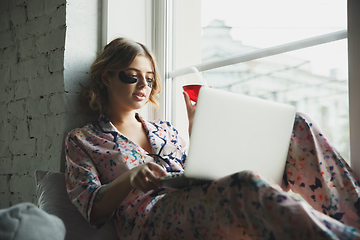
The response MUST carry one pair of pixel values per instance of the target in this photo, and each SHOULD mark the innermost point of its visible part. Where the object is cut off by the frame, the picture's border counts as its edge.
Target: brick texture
(46, 49)
(32, 44)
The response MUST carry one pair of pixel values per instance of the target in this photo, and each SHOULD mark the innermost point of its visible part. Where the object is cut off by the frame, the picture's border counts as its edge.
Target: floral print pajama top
(240, 206)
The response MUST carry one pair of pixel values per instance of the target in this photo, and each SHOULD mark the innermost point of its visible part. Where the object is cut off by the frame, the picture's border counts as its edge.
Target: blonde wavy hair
(117, 55)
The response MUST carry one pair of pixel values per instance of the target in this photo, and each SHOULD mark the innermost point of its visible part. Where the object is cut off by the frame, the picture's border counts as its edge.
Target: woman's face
(130, 96)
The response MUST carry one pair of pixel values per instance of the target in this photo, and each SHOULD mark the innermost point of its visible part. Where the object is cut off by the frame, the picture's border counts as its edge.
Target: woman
(113, 166)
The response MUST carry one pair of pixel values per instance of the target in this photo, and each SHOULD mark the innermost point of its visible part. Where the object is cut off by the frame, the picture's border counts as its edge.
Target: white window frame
(261, 53)
(162, 35)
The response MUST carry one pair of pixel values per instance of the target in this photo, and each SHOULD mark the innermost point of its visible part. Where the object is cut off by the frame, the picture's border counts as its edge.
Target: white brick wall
(32, 44)
(46, 49)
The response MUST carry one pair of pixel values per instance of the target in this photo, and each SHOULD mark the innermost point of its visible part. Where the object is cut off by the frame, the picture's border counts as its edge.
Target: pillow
(53, 199)
(26, 221)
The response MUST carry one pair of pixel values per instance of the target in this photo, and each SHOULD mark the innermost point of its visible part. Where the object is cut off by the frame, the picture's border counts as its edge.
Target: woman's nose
(141, 81)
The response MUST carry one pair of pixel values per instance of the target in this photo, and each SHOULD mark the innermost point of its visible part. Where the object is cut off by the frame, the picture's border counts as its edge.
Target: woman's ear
(105, 78)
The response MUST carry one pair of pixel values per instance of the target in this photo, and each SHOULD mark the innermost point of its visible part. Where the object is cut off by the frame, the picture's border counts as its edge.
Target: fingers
(190, 110)
(187, 101)
(146, 176)
(186, 97)
(144, 184)
(151, 177)
(189, 106)
(158, 169)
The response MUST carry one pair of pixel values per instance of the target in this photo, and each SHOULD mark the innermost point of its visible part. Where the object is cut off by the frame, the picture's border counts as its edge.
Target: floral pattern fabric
(241, 206)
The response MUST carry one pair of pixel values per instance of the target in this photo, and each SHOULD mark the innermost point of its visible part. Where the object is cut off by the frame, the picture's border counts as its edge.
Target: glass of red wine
(192, 83)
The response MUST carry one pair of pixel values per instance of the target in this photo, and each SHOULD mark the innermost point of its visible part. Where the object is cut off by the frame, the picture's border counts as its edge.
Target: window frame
(162, 35)
(354, 82)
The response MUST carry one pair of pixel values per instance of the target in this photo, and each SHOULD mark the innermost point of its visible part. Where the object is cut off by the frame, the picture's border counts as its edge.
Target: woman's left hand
(190, 110)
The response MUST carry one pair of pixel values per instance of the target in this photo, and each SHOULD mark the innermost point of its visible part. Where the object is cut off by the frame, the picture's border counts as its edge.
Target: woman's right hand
(191, 108)
(145, 177)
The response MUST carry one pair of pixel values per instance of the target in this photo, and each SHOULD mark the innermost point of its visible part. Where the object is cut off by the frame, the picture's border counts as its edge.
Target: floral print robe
(240, 206)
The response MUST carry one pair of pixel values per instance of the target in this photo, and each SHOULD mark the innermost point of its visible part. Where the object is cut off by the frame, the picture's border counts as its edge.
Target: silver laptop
(232, 133)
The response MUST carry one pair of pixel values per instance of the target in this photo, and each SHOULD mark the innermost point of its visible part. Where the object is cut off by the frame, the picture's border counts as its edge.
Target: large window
(313, 79)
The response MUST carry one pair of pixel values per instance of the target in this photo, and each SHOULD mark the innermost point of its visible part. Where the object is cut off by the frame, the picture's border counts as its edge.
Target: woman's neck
(131, 127)
(121, 117)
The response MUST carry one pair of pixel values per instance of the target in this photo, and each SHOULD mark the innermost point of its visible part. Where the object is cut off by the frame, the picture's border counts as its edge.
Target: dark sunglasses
(130, 80)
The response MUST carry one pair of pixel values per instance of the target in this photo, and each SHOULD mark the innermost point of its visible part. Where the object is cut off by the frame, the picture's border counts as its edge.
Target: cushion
(53, 198)
(26, 221)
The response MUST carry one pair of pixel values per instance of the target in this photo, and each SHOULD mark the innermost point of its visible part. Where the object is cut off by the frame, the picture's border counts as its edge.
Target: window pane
(312, 79)
(263, 23)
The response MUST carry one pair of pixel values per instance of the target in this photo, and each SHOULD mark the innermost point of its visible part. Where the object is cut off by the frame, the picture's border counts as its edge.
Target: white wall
(131, 19)
(32, 38)
(82, 43)
(46, 48)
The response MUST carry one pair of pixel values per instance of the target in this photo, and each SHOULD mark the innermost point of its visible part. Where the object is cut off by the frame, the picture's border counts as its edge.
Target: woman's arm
(144, 177)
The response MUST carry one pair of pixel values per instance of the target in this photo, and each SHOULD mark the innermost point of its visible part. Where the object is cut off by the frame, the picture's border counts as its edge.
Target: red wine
(193, 91)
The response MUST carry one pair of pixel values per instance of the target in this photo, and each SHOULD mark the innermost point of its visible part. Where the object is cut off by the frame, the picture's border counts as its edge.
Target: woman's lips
(139, 96)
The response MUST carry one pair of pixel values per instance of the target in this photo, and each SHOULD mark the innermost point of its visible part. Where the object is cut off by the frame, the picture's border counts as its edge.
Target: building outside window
(312, 79)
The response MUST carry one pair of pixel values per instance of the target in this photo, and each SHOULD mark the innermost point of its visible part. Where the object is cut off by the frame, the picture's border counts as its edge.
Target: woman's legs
(236, 207)
(316, 171)
(244, 204)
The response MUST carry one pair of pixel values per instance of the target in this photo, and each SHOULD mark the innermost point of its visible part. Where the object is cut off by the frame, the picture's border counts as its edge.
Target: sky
(267, 23)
